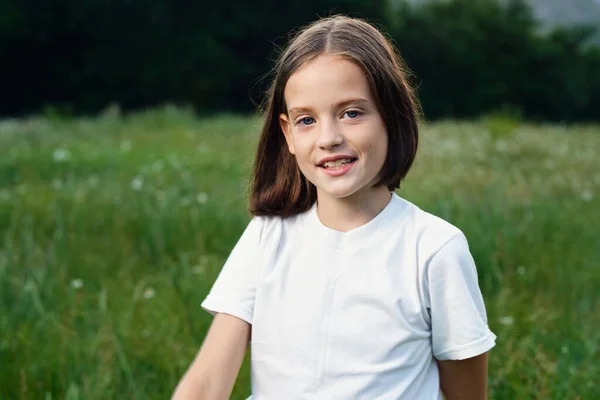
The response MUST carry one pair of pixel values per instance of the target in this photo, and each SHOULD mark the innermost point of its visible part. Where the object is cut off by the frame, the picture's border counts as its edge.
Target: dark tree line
(468, 56)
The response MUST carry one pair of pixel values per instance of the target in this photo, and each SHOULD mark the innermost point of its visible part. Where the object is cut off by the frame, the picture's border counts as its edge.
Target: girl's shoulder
(429, 231)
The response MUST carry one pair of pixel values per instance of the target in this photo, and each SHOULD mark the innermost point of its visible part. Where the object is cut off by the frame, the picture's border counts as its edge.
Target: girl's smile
(337, 165)
(338, 170)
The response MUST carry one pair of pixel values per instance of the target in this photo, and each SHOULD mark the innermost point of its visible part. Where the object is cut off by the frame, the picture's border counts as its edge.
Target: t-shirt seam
(466, 346)
(442, 247)
(426, 268)
(430, 258)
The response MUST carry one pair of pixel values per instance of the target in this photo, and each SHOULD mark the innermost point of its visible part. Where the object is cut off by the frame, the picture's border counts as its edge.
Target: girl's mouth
(337, 163)
(338, 167)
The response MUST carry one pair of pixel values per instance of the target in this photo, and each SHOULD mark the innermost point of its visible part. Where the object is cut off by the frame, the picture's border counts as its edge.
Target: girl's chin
(338, 193)
(351, 192)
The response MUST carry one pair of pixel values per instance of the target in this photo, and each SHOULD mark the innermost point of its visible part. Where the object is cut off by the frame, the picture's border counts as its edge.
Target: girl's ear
(286, 128)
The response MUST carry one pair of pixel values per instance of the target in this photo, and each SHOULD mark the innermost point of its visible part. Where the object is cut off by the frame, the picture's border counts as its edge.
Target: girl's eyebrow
(341, 104)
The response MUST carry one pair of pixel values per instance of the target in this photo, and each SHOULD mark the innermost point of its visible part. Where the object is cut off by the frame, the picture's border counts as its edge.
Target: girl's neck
(352, 212)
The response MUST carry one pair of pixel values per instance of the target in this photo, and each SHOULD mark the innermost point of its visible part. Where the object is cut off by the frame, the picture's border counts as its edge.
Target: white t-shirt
(353, 315)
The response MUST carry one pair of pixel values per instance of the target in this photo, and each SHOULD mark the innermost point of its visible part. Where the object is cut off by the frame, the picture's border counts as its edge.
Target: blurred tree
(469, 56)
(82, 55)
(474, 56)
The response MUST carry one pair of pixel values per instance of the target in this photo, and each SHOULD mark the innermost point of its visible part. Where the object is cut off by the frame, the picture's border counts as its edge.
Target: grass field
(113, 228)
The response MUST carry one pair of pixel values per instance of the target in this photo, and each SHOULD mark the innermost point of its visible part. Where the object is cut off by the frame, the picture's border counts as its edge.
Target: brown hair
(278, 187)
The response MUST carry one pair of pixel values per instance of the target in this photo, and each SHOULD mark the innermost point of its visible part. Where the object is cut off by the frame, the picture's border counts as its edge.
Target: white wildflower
(112, 111)
(501, 146)
(149, 293)
(197, 269)
(9, 125)
(185, 201)
(29, 286)
(450, 145)
(14, 152)
(93, 181)
(587, 195)
(508, 320)
(174, 161)
(157, 166)
(572, 370)
(76, 283)
(186, 176)
(125, 146)
(61, 155)
(202, 198)
(161, 195)
(137, 183)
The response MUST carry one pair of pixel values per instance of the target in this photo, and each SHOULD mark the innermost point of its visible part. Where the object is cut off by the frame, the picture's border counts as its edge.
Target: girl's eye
(352, 114)
(306, 121)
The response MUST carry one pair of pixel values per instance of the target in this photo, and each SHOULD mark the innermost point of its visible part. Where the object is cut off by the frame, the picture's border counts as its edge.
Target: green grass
(113, 228)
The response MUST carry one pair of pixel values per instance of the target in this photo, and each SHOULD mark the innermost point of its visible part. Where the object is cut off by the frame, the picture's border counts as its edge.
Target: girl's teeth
(336, 163)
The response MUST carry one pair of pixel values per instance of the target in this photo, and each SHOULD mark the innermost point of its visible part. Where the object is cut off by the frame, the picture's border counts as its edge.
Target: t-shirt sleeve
(455, 303)
(234, 290)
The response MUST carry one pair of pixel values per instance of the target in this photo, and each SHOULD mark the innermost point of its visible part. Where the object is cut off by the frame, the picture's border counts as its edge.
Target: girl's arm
(464, 379)
(213, 372)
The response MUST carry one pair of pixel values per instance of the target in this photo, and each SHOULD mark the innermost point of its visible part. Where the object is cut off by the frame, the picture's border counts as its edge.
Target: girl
(346, 290)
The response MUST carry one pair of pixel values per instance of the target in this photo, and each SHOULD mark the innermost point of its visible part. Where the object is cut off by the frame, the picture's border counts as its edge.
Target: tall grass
(112, 230)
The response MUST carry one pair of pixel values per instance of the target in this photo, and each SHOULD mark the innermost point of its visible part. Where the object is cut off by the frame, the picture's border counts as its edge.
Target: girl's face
(334, 128)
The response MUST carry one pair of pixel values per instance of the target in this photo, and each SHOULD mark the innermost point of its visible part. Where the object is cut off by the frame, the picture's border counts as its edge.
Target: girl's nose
(329, 136)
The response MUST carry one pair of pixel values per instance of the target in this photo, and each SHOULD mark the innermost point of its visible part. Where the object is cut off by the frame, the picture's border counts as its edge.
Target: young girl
(343, 289)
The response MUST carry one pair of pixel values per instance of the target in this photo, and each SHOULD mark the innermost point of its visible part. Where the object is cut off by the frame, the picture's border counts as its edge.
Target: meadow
(113, 228)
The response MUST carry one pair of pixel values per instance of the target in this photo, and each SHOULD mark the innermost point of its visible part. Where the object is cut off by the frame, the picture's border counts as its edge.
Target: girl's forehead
(330, 64)
(326, 80)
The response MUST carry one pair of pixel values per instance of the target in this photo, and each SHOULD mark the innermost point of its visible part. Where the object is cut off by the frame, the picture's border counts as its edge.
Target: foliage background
(468, 56)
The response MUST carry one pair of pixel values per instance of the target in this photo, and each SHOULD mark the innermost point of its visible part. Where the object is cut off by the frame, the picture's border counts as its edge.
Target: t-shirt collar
(389, 217)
